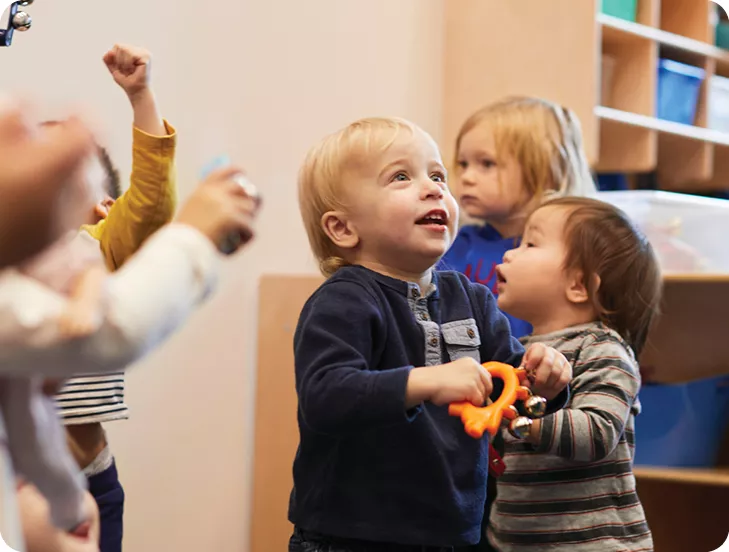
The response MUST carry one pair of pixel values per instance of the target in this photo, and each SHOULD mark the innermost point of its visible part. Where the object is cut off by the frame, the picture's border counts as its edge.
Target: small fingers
(486, 380)
(545, 366)
(477, 397)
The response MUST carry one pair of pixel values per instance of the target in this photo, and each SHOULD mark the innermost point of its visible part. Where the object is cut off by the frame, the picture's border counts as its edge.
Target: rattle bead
(536, 406)
(21, 21)
(520, 427)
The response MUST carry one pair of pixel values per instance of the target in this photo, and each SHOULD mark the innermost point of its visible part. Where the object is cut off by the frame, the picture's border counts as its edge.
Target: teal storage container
(624, 9)
(722, 35)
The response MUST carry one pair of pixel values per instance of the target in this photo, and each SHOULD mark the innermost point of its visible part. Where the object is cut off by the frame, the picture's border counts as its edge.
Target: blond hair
(323, 174)
(544, 138)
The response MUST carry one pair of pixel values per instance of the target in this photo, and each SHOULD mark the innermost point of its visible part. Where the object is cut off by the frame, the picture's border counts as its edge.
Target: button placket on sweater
(431, 331)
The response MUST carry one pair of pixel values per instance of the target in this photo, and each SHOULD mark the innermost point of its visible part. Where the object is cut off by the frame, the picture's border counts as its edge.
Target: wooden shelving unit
(554, 50)
(712, 477)
(688, 342)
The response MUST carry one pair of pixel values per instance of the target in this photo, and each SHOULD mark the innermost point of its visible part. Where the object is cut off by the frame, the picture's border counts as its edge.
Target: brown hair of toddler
(112, 186)
(621, 271)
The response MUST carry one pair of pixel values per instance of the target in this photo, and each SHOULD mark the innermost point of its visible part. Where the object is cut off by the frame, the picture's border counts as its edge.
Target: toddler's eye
(400, 177)
(438, 177)
(463, 165)
(488, 164)
(530, 244)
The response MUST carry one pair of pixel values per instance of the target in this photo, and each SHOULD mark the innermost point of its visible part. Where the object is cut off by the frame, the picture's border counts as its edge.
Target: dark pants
(109, 495)
(304, 541)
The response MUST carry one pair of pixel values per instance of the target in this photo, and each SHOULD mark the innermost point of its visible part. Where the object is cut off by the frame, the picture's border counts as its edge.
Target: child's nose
(509, 255)
(433, 189)
(466, 177)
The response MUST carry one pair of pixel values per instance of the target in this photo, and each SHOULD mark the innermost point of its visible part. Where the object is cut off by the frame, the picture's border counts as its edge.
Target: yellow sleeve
(147, 205)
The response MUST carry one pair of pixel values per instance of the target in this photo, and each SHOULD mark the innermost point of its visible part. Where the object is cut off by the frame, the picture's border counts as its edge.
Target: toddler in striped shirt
(589, 283)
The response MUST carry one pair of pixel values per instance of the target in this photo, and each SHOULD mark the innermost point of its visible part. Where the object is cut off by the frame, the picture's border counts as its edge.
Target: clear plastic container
(690, 234)
(718, 103)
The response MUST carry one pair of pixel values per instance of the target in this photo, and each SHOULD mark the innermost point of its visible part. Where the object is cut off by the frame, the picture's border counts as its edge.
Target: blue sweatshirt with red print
(475, 252)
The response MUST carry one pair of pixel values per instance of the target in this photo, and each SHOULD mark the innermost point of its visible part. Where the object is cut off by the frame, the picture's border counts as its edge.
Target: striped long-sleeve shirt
(575, 489)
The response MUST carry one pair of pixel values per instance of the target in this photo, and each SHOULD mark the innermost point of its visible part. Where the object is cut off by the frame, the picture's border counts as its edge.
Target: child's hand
(41, 536)
(548, 370)
(78, 320)
(130, 66)
(461, 380)
(221, 207)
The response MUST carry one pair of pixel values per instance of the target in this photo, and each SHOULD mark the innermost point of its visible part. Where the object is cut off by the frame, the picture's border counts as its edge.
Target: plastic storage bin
(682, 425)
(689, 233)
(607, 182)
(678, 91)
(624, 9)
(722, 35)
(718, 104)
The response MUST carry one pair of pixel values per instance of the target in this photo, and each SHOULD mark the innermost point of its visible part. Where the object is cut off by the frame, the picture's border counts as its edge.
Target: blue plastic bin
(678, 91)
(612, 182)
(682, 425)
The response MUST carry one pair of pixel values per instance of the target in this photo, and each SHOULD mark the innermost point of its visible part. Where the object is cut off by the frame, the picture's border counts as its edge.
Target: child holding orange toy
(589, 283)
(384, 345)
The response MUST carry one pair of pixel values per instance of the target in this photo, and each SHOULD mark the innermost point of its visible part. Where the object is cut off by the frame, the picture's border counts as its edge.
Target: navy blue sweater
(366, 468)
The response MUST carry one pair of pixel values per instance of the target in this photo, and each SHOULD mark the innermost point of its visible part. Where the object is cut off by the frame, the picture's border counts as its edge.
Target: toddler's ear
(340, 230)
(577, 289)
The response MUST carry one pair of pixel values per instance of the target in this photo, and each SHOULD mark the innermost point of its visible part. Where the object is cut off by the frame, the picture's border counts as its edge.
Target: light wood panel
(708, 476)
(671, 41)
(496, 48)
(684, 163)
(649, 12)
(626, 148)
(720, 176)
(633, 84)
(281, 299)
(689, 18)
(689, 341)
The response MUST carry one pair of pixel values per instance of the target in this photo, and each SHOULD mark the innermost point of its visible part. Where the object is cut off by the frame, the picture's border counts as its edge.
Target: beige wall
(261, 80)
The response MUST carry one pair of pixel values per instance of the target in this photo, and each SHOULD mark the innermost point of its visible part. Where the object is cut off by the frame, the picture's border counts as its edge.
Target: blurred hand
(220, 207)
(41, 536)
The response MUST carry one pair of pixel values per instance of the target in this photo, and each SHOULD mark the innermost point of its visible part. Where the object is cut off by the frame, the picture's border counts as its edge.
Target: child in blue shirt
(382, 348)
(510, 155)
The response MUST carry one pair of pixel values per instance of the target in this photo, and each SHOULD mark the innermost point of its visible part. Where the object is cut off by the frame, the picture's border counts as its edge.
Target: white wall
(262, 81)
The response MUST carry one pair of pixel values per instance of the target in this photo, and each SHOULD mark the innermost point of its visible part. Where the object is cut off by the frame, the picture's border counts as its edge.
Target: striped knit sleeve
(603, 393)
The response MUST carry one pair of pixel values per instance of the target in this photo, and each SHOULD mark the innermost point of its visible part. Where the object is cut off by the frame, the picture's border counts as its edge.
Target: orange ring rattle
(479, 419)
